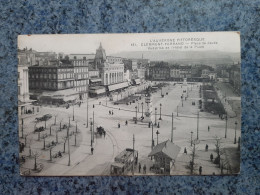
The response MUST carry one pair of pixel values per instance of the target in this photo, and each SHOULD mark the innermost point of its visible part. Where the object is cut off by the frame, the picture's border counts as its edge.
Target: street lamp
(235, 140)
(191, 138)
(155, 116)
(73, 113)
(135, 114)
(142, 109)
(157, 133)
(152, 136)
(91, 142)
(22, 127)
(226, 126)
(160, 112)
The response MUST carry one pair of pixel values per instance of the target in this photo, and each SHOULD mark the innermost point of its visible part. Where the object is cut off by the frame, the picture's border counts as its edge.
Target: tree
(35, 155)
(43, 137)
(64, 144)
(57, 138)
(30, 150)
(219, 151)
(192, 166)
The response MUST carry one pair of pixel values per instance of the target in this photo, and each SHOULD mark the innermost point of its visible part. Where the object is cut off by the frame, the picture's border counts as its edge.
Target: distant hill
(212, 57)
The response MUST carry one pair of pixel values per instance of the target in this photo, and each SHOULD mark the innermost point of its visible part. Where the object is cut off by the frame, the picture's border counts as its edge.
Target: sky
(115, 43)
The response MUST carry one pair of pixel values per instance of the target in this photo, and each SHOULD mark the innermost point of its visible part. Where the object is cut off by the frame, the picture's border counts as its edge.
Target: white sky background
(114, 43)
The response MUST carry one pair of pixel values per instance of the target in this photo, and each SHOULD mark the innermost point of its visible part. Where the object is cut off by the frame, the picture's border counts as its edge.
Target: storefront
(117, 86)
(97, 91)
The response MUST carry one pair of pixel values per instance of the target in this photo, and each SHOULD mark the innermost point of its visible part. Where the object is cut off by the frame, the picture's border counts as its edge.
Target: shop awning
(98, 90)
(117, 86)
(95, 80)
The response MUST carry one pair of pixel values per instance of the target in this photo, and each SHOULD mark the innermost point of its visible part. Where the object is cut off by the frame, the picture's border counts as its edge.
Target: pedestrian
(149, 125)
(140, 167)
(144, 169)
(104, 134)
(109, 112)
(93, 106)
(200, 170)
(208, 128)
(118, 125)
(112, 112)
(158, 125)
(92, 150)
(185, 150)
(126, 122)
(211, 157)
(207, 147)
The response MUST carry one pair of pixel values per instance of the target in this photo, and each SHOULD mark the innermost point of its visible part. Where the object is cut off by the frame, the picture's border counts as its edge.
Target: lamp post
(87, 112)
(160, 112)
(157, 133)
(155, 116)
(177, 110)
(68, 144)
(91, 142)
(198, 116)
(93, 129)
(73, 118)
(135, 114)
(22, 127)
(133, 153)
(235, 140)
(152, 136)
(182, 100)
(142, 109)
(226, 126)
(191, 138)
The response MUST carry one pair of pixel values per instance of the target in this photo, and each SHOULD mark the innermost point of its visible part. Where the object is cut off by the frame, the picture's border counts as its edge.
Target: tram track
(115, 151)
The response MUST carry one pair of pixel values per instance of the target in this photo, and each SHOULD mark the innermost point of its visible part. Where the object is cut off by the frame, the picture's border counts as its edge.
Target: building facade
(111, 69)
(81, 76)
(69, 77)
(159, 71)
(26, 58)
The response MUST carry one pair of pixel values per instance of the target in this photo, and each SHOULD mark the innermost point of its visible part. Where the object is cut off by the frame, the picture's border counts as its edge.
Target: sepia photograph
(129, 104)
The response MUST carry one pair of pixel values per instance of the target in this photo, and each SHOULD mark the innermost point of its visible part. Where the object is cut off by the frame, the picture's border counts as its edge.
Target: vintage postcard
(129, 104)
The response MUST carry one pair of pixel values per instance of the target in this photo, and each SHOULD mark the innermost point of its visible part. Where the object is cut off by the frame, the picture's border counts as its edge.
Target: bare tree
(57, 138)
(43, 137)
(30, 143)
(219, 151)
(25, 139)
(60, 123)
(51, 147)
(64, 144)
(36, 155)
(55, 119)
(192, 166)
(75, 134)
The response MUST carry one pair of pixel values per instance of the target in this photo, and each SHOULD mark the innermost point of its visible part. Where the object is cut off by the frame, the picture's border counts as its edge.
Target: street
(79, 161)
